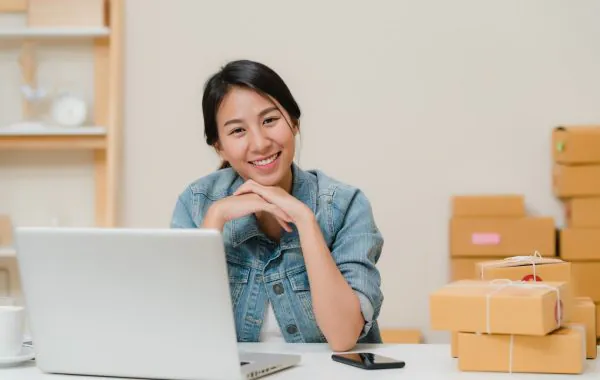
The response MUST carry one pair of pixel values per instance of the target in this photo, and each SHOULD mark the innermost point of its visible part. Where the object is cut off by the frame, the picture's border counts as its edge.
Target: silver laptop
(141, 303)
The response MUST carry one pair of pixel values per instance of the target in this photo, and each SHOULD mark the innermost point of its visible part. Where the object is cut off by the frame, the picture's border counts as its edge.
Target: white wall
(411, 101)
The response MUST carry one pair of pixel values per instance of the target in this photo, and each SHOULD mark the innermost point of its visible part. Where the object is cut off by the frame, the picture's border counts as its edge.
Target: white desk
(423, 361)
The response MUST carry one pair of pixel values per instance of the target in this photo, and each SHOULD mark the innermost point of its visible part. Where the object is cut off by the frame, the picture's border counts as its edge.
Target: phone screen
(368, 359)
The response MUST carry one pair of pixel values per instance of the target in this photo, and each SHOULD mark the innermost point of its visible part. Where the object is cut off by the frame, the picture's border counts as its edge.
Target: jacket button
(292, 329)
(278, 288)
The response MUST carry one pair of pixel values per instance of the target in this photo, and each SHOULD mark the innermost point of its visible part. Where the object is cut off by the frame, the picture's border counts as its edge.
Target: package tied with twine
(524, 268)
(562, 351)
(501, 307)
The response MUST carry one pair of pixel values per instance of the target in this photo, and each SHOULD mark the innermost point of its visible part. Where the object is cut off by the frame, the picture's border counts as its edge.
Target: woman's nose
(260, 141)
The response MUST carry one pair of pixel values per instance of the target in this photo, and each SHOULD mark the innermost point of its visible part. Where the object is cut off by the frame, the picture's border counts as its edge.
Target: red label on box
(530, 277)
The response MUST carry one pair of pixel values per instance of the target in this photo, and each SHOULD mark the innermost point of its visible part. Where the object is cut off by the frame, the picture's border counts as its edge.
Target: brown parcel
(576, 144)
(502, 237)
(582, 212)
(584, 312)
(586, 279)
(546, 269)
(563, 351)
(518, 308)
(580, 244)
(524, 268)
(454, 344)
(576, 181)
(463, 268)
(598, 320)
(5, 231)
(488, 205)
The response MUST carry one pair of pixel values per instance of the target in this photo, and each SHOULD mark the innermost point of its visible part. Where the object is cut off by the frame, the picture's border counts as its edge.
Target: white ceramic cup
(12, 328)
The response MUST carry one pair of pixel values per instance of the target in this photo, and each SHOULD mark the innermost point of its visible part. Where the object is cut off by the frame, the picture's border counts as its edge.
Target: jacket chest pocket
(301, 287)
(238, 279)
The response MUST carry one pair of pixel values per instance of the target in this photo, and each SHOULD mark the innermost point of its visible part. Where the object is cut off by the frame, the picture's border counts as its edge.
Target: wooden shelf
(55, 32)
(37, 137)
(107, 107)
(52, 142)
(41, 130)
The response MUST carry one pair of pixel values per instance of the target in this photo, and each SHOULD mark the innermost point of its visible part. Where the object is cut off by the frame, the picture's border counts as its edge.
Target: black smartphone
(367, 360)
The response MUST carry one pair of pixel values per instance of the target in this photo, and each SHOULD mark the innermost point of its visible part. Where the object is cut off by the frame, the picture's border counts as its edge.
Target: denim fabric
(261, 270)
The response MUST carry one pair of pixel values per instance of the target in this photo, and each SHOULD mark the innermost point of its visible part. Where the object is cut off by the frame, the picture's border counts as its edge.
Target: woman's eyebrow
(267, 110)
(260, 114)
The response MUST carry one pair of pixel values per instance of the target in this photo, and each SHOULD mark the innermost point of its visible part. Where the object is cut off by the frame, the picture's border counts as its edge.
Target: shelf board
(55, 32)
(53, 138)
(41, 130)
(7, 252)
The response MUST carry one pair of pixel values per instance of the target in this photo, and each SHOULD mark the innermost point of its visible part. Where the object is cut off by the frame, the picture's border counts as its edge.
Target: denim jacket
(262, 271)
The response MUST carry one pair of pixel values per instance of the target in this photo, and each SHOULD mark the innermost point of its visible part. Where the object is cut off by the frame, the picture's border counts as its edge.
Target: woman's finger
(252, 187)
(278, 212)
(283, 224)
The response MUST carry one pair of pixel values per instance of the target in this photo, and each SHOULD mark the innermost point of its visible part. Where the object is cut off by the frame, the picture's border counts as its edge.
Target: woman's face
(255, 137)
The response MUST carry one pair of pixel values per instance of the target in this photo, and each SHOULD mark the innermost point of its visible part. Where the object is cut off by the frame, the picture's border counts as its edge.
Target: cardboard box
(463, 268)
(524, 268)
(576, 145)
(597, 320)
(584, 313)
(576, 181)
(586, 280)
(502, 237)
(454, 344)
(498, 307)
(582, 212)
(488, 206)
(563, 351)
(403, 336)
(6, 231)
(580, 244)
(69, 13)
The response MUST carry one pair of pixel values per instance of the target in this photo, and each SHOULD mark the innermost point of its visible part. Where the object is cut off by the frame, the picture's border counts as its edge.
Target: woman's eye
(236, 131)
(270, 120)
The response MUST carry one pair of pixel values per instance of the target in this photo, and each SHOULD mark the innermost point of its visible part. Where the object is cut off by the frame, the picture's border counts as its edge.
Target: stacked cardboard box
(512, 326)
(576, 182)
(495, 226)
(539, 269)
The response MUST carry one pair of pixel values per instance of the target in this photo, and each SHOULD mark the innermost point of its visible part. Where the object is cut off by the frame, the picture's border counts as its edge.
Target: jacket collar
(304, 188)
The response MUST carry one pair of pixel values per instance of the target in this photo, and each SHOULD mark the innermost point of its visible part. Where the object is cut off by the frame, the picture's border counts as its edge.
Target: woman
(301, 247)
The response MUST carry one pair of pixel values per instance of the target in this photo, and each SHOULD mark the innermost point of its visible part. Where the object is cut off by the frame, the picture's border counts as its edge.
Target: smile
(267, 160)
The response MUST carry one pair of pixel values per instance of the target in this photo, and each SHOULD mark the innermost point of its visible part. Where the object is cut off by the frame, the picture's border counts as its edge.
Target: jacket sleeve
(182, 214)
(356, 249)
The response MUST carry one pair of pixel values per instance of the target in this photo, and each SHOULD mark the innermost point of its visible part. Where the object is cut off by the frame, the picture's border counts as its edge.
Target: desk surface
(423, 361)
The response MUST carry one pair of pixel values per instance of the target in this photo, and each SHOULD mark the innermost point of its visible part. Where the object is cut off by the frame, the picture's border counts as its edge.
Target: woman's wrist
(213, 218)
(306, 220)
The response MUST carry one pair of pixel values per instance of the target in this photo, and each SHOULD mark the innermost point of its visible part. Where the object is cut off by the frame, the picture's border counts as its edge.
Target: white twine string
(533, 259)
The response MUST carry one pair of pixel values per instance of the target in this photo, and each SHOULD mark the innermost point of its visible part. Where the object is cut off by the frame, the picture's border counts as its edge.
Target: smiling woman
(301, 246)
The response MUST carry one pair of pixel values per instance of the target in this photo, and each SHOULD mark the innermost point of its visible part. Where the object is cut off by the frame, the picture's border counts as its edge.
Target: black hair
(249, 74)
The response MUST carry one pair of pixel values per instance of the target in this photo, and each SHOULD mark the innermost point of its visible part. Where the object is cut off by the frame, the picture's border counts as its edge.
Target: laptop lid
(151, 303)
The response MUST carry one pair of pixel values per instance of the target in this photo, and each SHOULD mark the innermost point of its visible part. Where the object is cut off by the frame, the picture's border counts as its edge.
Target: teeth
(266, 161)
